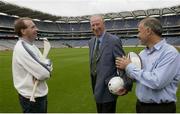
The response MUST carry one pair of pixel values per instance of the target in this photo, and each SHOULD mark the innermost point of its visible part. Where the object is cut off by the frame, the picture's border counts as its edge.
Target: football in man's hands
(115, 84)
(135, 59)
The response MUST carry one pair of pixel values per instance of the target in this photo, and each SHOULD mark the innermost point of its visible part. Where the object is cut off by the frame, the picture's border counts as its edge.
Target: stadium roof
(111, 9)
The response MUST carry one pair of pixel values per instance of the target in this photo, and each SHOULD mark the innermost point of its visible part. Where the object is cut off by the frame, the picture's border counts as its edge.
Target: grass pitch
(69, 87)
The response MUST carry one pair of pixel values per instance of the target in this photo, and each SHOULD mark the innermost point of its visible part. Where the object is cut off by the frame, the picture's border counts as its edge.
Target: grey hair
(97, 16)
(154, 24)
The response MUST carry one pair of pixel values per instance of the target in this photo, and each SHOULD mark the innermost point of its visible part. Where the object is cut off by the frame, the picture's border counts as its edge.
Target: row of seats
(9, 44)
(7, 21)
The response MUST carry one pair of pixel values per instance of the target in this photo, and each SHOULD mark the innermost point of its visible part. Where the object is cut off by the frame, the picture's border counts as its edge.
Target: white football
(135, 59)
(115, 84)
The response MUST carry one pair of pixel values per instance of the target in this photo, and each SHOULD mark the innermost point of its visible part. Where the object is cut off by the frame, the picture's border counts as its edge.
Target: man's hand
(122, 62)
(34, 80)
(48, 63)
(122, 92)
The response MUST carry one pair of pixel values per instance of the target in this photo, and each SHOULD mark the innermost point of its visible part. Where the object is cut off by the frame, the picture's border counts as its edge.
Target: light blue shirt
(157, 81)
(101, 38)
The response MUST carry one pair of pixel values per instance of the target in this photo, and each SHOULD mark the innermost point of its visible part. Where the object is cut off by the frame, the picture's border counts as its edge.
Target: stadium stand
(75, 32)
(7, 21)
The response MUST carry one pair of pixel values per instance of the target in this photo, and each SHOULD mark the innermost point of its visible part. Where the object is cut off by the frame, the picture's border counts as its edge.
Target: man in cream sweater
(27, 67)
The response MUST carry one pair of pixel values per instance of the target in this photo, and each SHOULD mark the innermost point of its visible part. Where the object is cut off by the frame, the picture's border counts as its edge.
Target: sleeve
(117, 48)
(128, 82)
(34, 67)
(119, 52)
(162, 74)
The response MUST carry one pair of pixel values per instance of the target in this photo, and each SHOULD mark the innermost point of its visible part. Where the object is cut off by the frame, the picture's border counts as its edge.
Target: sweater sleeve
(32, 64)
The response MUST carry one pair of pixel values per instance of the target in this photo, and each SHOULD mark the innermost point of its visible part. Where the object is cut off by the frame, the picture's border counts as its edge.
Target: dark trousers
(40, 106)
(109, 107)
(155, 108)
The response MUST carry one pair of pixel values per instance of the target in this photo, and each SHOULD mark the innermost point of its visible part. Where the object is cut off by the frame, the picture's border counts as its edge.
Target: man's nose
(37, 29)
(95, 27)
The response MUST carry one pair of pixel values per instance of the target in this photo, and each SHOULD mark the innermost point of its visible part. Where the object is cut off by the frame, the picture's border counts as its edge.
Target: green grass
(69, 86)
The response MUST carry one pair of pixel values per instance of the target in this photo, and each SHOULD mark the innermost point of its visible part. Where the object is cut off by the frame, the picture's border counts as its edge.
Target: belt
(163, 103)
(37, 98)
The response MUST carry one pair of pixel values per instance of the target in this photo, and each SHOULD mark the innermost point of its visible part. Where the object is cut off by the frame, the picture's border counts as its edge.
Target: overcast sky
(88, 7)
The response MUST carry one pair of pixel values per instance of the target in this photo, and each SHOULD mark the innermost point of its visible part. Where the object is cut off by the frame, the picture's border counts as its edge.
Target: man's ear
(149, 31)
(22, 31)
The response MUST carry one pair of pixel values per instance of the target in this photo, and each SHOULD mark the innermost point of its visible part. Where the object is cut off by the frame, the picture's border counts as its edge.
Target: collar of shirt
(155, 47)
(101, 37)
(31, 43)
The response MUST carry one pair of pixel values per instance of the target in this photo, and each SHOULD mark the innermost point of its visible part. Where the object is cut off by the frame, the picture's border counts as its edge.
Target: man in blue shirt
(157, 81)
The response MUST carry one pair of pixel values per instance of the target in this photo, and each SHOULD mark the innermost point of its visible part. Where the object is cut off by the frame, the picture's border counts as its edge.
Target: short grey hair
(154, 24)
(97, 16)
